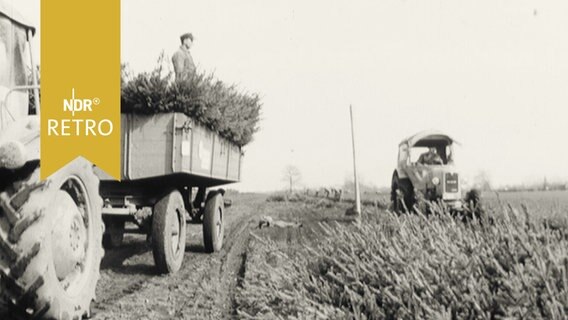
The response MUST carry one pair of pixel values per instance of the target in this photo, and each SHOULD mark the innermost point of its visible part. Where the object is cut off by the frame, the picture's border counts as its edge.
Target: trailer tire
(168, 232)
(213, 227)
(50, 244)
(114, 233)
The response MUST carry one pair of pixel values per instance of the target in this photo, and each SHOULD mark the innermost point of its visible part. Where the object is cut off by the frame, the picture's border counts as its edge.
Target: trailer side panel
(172, 143)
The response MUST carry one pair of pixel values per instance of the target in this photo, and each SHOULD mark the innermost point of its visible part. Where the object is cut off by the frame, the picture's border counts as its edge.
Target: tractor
(426, 174)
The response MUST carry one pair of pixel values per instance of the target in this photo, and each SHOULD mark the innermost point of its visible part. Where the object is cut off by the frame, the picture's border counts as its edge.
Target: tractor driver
(431, 157)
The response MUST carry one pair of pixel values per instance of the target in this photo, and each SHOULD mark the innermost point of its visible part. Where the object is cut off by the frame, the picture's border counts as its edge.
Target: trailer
(170, 163)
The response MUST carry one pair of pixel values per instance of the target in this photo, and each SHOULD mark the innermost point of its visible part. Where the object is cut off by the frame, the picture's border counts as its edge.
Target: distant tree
(292, 176)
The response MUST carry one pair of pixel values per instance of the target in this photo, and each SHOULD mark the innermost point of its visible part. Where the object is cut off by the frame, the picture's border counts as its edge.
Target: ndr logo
(79, 105)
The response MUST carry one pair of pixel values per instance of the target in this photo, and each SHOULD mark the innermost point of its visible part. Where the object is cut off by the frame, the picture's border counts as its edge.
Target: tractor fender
(19, 142)
(400, 173)
(394, 174)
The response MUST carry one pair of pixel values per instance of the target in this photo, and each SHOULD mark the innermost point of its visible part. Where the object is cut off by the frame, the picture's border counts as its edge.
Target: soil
(203, 288)
(207, 285)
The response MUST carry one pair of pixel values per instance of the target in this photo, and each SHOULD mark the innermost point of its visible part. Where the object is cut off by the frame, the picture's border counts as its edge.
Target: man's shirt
(184, 67)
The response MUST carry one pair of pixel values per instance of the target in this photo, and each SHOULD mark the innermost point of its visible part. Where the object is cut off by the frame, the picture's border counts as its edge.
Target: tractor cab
(19, 121)
(412, 148)
(17, 76)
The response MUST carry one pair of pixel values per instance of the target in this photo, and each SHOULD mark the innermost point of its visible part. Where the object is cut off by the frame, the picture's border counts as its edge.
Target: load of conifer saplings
(222, 108)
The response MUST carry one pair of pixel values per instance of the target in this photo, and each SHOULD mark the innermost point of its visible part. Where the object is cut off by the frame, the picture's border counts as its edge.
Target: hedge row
(221, 107)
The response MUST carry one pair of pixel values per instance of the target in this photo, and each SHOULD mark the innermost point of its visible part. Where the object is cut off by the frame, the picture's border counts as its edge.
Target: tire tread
(21, 298)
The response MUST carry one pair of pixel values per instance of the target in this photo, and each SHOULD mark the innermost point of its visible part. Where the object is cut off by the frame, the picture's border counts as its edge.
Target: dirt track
(205, 287)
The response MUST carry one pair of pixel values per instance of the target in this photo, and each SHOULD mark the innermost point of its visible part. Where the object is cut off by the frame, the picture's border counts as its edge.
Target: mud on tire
(42, 274)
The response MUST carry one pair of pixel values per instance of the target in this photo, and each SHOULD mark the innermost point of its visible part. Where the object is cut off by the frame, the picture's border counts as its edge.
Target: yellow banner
(80, 84)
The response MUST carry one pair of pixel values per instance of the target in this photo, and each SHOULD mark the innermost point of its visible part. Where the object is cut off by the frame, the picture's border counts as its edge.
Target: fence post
(356, 180)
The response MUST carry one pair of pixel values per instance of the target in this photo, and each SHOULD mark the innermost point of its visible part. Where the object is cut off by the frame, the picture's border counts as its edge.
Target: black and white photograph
(394, 159)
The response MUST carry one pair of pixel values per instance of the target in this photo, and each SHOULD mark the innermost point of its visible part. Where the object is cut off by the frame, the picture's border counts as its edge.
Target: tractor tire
(114, 233)
(168, 233)
(50, 244)
(402, 195)
(395, 197)
(213, 227)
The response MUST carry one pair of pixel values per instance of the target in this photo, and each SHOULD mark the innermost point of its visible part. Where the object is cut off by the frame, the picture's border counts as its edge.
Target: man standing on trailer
(184, 67)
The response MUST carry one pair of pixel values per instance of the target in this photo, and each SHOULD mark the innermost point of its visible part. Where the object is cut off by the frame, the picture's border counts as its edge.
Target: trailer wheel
(114, 233)
(168, 232)
(213, 228)
(50, 244)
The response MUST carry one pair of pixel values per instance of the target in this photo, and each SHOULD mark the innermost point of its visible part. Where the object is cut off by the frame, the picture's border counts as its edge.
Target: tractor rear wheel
(50, 244)
(168, 232)
(213, 227)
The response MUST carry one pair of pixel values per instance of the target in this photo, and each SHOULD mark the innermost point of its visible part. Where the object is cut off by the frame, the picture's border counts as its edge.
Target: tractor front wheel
(402, 195)
(50, 244)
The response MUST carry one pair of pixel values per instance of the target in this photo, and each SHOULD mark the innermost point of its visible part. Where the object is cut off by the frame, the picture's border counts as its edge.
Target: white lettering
(76, 124)
(90, 126)
(65, 127)
(79, 127)
(78, 105)
(87, 103)
(68, 106)
(106, 133)
(52, 127)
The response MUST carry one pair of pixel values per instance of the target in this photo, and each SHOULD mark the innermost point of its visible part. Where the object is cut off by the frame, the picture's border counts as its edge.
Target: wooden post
(356, 180)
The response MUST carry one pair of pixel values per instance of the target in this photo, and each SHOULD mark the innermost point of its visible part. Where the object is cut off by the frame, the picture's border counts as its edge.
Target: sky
(492, 74)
